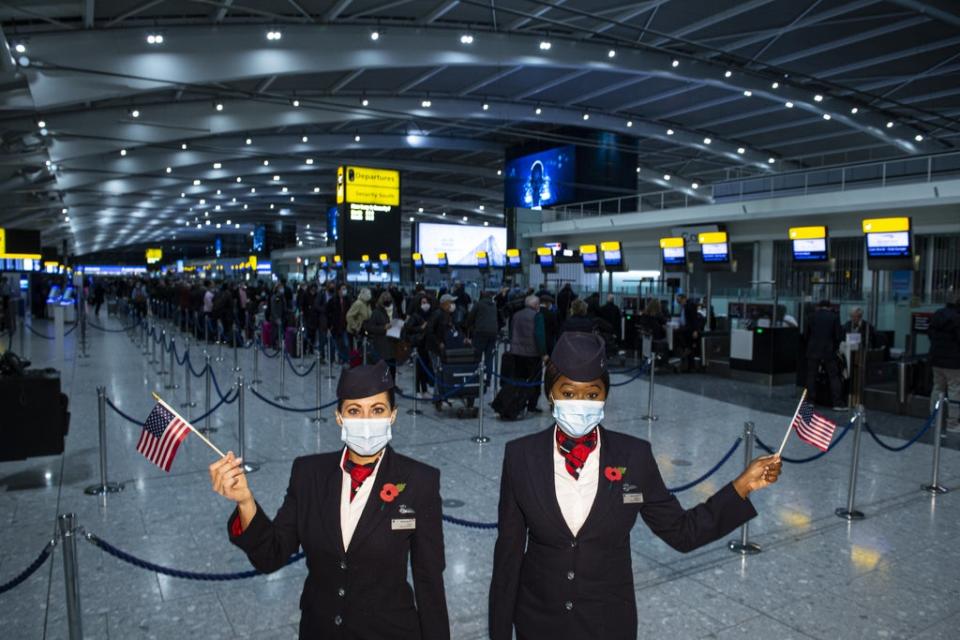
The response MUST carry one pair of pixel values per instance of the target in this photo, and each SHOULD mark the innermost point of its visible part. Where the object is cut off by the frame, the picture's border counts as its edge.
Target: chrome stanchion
(319, 417)
(300, 341)
(743, 546)
(219, 357)
(145, 337)
(153, 346)
(163, 345)
(364, 350)
(248, 467)
(67, 525)
(416, 394)
(330, 350)
(105, 485)
(648, 351)
(236, 360)
(935, 487)
(206, 329)
(83, 331)
(257, 345)
(187, 382)
(480, 438)
(172, 383)
(208, 371)
(281, 358)
(849, 512)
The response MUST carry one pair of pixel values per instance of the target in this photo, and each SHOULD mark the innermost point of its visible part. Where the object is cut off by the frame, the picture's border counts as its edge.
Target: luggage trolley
(458, 369)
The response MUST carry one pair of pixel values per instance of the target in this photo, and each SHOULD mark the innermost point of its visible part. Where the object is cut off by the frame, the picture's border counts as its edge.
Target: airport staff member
(361, 515)
(569, 496)
(823, 339)
(856, 324)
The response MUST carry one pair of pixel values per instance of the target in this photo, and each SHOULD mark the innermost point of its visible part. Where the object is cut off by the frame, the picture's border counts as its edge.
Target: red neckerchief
(576, 450)
(358, 473)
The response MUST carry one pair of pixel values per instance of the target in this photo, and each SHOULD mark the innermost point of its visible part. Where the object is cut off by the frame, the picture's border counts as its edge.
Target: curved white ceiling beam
(194, 55)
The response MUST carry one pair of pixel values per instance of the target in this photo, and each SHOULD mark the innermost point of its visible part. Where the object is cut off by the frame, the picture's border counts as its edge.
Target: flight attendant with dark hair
(569, 496)
(361, 515)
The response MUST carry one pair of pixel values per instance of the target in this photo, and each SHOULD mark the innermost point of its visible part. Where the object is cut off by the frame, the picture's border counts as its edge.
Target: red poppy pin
(390, 491)
(614, 474)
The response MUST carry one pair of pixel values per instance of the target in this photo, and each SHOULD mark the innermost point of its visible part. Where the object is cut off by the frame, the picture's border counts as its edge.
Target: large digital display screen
(715, 252)
(612, 255)
(259, 238)
(541, 179)
(461, 243)
(513, 259)
(368, 212)
(333, 227)
(891, 244)
(810, 250)
(674, 255)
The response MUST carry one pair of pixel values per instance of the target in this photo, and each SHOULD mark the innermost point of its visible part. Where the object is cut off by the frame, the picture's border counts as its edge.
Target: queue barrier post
(651, 358)
(330, 375)
(850, 512)
(172, 383)
(163, 341)
(236, 356)
(480, 438)
(248, 467)
(415, 411)
(105, 485)
(282, 359)
(935, 487)
(743, 546)
(219, 357)
(67, 526)
(187, 381)
(257, 345)
(319, 418)
(208, 374)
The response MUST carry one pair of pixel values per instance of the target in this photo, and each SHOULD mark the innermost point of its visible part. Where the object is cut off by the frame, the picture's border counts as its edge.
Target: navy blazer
(361, 592)
(548, 583)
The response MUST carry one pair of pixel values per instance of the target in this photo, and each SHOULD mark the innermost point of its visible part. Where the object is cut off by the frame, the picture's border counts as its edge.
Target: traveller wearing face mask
(569, 497)
(414, 332)
(337, 306)
(381, 345)
(358, 514)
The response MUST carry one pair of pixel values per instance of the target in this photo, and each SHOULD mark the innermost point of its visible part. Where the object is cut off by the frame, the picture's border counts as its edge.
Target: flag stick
(187, 422)
(786, 436)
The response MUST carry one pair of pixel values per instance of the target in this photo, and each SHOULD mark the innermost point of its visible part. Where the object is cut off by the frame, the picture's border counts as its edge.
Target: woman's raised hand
(762, 472)
(229, 480)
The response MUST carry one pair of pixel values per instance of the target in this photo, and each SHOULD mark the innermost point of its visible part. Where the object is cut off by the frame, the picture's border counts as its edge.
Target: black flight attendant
(361, 515)
(569, 497)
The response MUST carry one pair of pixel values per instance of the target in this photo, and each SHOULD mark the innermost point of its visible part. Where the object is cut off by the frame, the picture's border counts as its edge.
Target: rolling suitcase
(266, 334)
(510, 402)
(290, 342)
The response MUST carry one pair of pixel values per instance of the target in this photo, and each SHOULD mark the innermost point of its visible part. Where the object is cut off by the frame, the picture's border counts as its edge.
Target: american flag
(813, 428)
(162, 434)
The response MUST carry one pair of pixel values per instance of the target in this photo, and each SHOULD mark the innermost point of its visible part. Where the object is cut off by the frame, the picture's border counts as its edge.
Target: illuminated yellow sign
(323, 259)
(513, 253)
(886, 225)
(441, 257)
(337, 259)
(365, 258)
(544, 251)
(712, 237)
(384, 257)
(3, 241)
(417, 257)
(51, 264)
(481, 255)
(154, 255)
(588, 248)
(807, 233)
(366, 185)
(671, 243)
(253, 262)
(14, 256)
(613, 245)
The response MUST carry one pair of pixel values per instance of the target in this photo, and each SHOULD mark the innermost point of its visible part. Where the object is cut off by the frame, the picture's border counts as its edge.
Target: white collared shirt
(575, 497)
(351, 510)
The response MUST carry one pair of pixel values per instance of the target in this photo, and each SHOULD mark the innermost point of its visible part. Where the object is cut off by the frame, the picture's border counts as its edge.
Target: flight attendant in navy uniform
(361, 515)
(569, 496)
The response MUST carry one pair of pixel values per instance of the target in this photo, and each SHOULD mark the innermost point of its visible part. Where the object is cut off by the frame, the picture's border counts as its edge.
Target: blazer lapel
(376, 510)
(544, 483)
(608, 493)
(331, 481)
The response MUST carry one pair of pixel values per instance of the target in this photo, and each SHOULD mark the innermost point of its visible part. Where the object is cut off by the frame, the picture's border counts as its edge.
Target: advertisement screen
(461, 243)
(259, 238)
(893, 244)
(674, 255)
(812, 249)
(333, 227)
(715, 252)
(541, 179)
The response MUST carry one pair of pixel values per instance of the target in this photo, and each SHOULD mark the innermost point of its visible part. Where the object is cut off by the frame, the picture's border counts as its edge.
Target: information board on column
(368, 200)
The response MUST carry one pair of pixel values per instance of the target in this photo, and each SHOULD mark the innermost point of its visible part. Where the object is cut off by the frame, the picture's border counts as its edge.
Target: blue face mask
(577, 418)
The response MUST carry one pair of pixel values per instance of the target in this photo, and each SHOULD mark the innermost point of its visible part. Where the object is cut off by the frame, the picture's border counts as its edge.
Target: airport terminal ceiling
(127, 122)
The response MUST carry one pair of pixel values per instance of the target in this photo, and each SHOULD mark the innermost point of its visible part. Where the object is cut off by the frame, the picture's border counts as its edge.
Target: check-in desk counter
(764, 354)
(896, 385)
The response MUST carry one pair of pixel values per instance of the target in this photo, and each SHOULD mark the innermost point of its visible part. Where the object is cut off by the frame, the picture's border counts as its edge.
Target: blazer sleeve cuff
(738, 509)
(246, 538)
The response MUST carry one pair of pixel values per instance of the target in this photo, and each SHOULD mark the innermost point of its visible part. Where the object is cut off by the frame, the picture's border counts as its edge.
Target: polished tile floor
(895, 574)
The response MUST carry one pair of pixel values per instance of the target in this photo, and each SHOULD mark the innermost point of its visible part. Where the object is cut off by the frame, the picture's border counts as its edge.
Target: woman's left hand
(762, 472)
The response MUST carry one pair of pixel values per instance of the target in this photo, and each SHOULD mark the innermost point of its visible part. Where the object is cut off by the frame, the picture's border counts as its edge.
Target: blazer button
(343, 565)
(573, 544)
(337, 620)
(568, 605)
(570, 575)
(341, 592)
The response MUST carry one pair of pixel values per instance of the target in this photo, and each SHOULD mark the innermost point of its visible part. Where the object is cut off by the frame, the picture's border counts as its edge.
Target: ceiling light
(309, 161)
(426, 104)
(499, 172)
(727, 74)
(854, 110)
(666, 177)
(612, 53)
(466, 39)
(741, 150)
(464, 218)
(291, 198)
(538, 111)
(482, 207)
(295, 102)
(229, 222)
(486, 224)
(545, 45)
(218, 191)
(66, 218)
(356, 138)
(217, 165)
(638, 169)
(239, 179)
(412, 218)
(284, 190)
(586, 116)
(154, 38)
(271, 205)
(276, 178)
(203, 201)
(707, 140)
(253, 189)
(694, 185)
(233, 199)
(748, 93)
(818, 98)
(63, 211)
(420, 210)
(629, 123)
(826, 116)
(196, 183)
(669, 132)
(42, 124)
(675, 64)
(207, 222)
(183, 194)
(169, 169)
(274, 35)
(216, 207)
(248, 141)
(123, 152)
(183, 146)
(771, 160)
(316, 189)
(304, 139)
(134, 113)
(244, 207)
(266, 163)
(890, 124)
(774, 85)
(47, 162)
(918, 138)
(251, 233)
(364, 102)
(20, 47)
(218, 106)
(374, 35)
(788, 104)
(236, 226)
(218, 225)
(486, 107)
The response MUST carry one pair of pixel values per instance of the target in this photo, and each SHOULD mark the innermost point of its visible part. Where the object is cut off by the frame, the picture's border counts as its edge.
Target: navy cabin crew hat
(364, 381)
(580, 356)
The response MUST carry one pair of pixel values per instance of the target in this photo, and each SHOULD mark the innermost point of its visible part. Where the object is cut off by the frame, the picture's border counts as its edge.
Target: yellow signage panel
(808, 233)
(367, 185)
(360, 194)
(513, 253)
(368, 177)
(588, 248)
(253, 262)
(442, 256)
(712, 237)
(886, 225)
(3, 241)
(417, 257)
(671, 243)
(340, 185)
(384, 257)
(612, 245)
(154, 255)
(544, 251)
(481, 254)
(365, 258)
